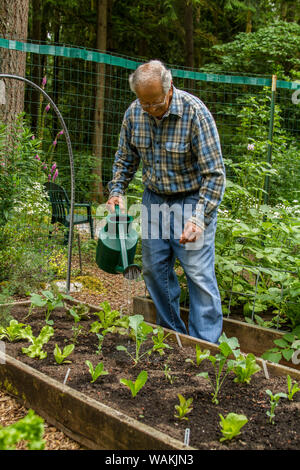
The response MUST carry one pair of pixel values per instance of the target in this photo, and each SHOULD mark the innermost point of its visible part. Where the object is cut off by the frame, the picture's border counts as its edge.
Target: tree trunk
(99, 102)
(13, 25)
(189, 33)
(249, 22)
(37, 60)
(188, 24)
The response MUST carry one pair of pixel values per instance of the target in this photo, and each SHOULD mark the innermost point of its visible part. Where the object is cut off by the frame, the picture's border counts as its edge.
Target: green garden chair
(61, 205)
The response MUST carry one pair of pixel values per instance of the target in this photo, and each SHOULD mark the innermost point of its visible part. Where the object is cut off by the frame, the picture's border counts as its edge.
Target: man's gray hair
(149, 71)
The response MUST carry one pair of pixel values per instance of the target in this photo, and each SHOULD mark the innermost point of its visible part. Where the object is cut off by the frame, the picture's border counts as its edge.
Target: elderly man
(175, 136)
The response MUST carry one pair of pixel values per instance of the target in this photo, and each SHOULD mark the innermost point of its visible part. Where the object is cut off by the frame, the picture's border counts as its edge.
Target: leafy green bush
(30, 429)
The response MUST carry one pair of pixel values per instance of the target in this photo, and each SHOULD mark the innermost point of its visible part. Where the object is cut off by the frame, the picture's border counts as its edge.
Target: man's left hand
(191, 233)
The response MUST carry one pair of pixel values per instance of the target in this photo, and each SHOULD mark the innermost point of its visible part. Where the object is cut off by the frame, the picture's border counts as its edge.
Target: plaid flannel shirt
(180, 154)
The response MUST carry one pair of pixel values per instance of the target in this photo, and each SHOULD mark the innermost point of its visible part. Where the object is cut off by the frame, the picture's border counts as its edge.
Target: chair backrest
(59, 201)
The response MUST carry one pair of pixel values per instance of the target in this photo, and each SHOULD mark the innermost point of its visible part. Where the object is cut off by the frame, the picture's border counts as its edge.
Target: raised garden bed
(252, 338)
(103, 415)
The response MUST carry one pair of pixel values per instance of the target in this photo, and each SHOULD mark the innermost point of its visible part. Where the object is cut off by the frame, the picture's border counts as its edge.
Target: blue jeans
(160, 250)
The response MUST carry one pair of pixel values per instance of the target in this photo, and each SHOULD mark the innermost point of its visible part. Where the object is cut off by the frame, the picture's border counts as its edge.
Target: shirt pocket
(143, 145)
(178, 154)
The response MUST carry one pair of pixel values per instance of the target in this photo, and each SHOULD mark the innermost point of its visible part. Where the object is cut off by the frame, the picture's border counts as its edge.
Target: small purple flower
(251, 147)
(37, 157)
(32, 137)
(54, 143)
(44, 81)
(49, 177)
(44, 167)
(61, 132)
(55, 175)
(53, 167)
(47, 108)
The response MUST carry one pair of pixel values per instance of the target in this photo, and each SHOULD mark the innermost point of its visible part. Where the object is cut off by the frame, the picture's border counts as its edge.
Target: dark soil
(155, 404)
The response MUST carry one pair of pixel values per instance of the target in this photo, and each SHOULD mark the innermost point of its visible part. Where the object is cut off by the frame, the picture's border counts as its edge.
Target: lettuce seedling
(60, 356)
(168, 374)
(244, 367)
(35, 350)
(200, 355)
(140, 331)
(183, 408)
(15, 331)
(136, 386)
(97, 372)
(231, 425)
(49, 300)
(109, 320)
(227, 347)
(274, 401)
(158, 340)
(292, 388)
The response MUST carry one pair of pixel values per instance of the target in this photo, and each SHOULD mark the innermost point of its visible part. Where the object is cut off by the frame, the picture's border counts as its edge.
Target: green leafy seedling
(231, 425)
(221, 364)
(60, 356)
(168, 374)
(274, 401)
(15, 331)
(200, 355)
(292, 388)
(136, 386)
(159, 341)
(36, 348)
(183, 408)
(244, 367)
(97, 372)
(140, 331)
(49, 300)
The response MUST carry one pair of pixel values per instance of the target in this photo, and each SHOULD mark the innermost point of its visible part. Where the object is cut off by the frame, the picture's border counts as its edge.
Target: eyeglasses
(153, 105)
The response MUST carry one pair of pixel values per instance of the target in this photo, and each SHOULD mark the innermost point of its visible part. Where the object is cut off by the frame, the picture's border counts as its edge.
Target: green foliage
(136, 386)
(140, 331)
(158, 339)
(61, 355)
(285, 347)
(272, 49)
(30, 429)
(244, 367)
(15, 331)
(231, 425)
(183, 408)
(292, 388)
(109, 320)
(200, 355)
(97, 371)
(274, 402)
(19, 169)
(48, 299)
(168, 374)
(36, 348)
(221, 364)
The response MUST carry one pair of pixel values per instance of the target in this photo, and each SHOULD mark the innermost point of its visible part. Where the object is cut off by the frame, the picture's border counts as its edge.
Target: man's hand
(191, 233)
(115, 201)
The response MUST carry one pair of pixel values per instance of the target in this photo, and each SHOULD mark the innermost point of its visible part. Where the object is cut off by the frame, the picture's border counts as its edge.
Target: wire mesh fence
(257, 127)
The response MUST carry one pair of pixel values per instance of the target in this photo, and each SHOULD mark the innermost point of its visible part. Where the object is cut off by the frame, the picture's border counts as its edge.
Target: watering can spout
(117, 246)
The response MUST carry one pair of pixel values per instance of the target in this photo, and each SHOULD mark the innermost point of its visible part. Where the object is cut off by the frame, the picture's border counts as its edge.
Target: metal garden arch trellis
(69, 145)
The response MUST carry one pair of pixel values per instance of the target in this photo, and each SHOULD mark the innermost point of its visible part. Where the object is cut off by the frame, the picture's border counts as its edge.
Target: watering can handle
(117, 209)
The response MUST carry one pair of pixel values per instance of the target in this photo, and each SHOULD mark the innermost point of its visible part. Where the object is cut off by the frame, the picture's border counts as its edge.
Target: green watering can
(117, 245)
